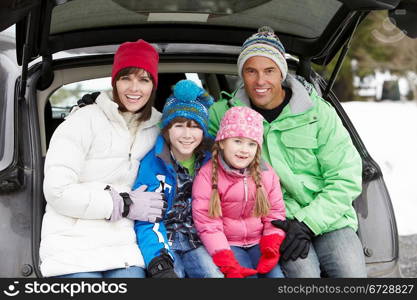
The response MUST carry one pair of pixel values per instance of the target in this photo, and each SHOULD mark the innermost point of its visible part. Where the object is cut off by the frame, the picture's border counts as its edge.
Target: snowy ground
(389, 132)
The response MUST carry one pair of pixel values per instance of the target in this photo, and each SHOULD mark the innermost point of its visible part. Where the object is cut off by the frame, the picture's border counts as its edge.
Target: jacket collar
(228, 169)
(300, 100)
(164, 153)
(162, 150)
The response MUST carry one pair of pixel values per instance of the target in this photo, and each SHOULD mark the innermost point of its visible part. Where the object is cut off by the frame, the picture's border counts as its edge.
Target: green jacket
(311, 151)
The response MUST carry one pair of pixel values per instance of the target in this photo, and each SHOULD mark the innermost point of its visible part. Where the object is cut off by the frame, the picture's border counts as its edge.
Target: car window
(64, 98)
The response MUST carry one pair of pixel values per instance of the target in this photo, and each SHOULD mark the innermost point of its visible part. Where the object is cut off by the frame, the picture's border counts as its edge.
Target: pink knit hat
(241, 121)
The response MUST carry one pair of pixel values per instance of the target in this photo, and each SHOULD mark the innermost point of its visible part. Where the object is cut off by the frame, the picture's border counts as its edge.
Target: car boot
(162, 266)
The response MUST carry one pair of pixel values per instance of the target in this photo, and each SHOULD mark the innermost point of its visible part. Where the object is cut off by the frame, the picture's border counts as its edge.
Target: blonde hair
(261, 203)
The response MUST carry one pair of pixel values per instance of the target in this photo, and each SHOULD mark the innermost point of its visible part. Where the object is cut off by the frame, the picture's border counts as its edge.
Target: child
(169, 168)
(236, 195)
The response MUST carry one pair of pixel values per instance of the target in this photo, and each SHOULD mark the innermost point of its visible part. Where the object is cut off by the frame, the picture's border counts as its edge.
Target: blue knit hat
(188, 101)
(264, 43)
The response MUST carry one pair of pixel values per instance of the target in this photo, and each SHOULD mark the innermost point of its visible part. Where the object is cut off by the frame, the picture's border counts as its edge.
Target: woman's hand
(138, 205)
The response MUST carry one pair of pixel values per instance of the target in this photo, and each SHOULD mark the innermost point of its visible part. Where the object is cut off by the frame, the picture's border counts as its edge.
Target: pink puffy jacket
(237, 226)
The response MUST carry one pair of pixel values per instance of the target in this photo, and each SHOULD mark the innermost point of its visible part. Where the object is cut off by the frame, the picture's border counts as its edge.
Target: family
(253, 185)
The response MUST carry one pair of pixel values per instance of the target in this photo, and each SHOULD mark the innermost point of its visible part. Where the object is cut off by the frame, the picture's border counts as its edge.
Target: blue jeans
(130, 272)
(192, 262)
(338, 254)
(249, 257)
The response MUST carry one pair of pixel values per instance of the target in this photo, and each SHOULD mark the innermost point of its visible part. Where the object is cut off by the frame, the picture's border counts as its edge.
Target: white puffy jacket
(91, 149)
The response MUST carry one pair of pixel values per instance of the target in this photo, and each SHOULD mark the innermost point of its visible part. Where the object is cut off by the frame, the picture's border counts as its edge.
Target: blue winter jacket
(157, 171)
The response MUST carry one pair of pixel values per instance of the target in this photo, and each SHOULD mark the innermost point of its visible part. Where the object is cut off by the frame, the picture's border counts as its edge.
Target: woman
(90, 167)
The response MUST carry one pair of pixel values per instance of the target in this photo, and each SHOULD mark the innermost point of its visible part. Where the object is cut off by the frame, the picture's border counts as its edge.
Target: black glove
(162, 266)
(88, 99)
(297, 241)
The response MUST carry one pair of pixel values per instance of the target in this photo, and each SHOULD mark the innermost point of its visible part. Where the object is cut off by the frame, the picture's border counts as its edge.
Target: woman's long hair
(146, 110)
(261, 203)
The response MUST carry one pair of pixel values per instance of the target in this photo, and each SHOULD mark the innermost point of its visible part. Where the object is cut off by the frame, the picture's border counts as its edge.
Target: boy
(172, 248)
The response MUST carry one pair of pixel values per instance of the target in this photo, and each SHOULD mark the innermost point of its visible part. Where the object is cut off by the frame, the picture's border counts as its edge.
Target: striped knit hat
(264, 43)
(188, 101)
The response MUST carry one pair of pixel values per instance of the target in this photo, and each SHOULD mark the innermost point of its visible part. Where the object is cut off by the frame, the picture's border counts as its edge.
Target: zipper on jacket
(130, 161)
(245, 184)
(131, 147)
(245, 188)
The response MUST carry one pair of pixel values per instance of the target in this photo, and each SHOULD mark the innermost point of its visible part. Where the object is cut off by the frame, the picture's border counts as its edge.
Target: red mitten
(229, 266)
(269, 246)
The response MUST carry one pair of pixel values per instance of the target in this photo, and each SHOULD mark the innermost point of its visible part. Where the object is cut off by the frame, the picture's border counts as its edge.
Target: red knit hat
(139, 54)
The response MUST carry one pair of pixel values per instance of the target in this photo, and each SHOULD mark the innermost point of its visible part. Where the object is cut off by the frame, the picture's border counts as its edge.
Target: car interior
(210, 78)
(214, 77)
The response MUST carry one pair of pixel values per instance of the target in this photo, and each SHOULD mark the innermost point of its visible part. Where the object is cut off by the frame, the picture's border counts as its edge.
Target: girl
(236, 195)
(87, 228)
(169, 168)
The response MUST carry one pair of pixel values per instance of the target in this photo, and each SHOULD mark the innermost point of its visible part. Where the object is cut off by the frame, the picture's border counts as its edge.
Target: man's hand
(297, 241)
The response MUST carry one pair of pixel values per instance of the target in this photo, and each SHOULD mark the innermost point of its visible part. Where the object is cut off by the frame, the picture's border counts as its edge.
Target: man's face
(262, 79)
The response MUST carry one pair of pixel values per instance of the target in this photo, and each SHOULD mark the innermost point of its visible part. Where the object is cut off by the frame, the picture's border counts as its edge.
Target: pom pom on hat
(187, 90)
(188, 101)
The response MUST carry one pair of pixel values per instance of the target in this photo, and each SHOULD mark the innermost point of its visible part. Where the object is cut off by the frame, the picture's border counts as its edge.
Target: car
(64, 49)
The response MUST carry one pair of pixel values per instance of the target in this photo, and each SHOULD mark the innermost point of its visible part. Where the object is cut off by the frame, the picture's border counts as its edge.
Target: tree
(62, 96)
(376, 45)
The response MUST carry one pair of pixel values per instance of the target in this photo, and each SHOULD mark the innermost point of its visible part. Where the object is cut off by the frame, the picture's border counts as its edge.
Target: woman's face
(134, 90)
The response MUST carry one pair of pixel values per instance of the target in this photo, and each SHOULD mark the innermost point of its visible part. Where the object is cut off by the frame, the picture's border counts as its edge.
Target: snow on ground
(389, 132)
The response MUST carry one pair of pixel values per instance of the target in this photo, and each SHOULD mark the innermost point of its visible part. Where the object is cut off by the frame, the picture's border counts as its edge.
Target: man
(307, 145)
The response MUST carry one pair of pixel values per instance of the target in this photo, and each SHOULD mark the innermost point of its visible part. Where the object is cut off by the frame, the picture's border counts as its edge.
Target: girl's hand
(229, 266)
(269, 245)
